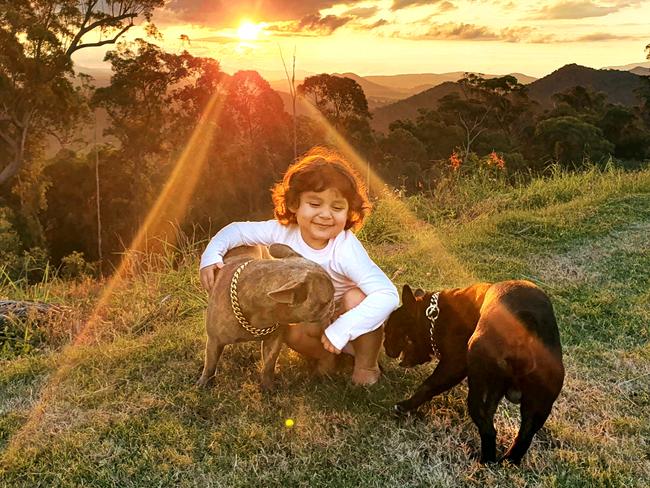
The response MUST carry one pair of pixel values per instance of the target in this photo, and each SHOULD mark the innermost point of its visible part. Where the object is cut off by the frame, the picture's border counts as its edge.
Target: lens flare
(168, 209)
(248, 31)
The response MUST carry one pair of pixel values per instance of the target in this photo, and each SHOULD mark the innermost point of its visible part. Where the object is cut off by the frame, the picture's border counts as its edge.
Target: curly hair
(317, 170)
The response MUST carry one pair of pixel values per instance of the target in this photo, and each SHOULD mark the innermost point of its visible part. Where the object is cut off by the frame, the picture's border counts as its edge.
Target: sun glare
(248, 31)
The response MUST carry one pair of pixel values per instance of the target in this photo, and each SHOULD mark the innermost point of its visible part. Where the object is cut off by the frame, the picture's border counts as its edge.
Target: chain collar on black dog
(234, 302)
(432, 313)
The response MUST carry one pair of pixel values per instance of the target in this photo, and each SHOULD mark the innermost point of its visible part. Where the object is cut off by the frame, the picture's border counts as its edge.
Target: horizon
(391, 37)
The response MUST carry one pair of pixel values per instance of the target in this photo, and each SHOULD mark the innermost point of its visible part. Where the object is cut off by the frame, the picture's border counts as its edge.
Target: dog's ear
(290, 293)
(408, 299)
(419, 293)
(280, 251)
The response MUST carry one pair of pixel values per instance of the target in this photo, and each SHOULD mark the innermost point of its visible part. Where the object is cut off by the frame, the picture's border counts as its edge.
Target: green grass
(122, 409)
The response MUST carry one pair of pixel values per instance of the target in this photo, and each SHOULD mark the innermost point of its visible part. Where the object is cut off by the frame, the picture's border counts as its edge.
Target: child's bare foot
(366, 376)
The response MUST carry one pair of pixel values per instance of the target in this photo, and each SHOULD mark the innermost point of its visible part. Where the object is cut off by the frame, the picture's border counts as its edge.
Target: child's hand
(209, 274)
(328, 345)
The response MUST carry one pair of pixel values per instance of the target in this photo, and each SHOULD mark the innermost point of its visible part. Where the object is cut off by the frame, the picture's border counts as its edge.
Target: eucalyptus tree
(37, 41)
(343, 103)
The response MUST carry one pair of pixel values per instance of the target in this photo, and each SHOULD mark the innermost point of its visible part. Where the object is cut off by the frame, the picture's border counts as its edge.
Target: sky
(383, 37)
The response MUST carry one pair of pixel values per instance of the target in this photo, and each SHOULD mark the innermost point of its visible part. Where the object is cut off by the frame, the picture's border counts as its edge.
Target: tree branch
(103, 43)
(75, 46)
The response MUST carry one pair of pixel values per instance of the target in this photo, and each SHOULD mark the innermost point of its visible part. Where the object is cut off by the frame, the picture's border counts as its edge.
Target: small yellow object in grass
(288, 423)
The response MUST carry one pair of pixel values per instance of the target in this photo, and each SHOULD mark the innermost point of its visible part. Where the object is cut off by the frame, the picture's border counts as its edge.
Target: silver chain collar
(432, 313)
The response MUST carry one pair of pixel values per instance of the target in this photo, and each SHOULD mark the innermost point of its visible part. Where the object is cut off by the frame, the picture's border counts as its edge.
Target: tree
(405, 157)
(153, 102)
(580, 102)
(37, 40)
(343, 103)
(572, 140)
(255, 137)
(498, 104)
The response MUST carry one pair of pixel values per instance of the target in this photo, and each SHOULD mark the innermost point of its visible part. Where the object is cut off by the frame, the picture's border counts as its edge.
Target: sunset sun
(248, 31)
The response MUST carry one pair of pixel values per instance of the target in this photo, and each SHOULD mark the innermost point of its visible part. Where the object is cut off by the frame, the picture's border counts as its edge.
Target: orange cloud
(224, 13)
(312, 24)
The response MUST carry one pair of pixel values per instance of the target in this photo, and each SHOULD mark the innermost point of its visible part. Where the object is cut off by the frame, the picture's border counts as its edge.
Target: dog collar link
(234, 302)
(432, 312)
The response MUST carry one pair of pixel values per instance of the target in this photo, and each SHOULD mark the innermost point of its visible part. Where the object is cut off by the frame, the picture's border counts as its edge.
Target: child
(318, 201)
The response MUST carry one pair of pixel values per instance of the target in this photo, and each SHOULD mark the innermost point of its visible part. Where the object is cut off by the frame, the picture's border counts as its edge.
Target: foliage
(37, 40)
(74, 266)
(342, 101)
(572, 140)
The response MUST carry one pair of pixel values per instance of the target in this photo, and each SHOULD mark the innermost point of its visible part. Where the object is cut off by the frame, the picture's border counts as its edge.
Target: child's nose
(326, 212)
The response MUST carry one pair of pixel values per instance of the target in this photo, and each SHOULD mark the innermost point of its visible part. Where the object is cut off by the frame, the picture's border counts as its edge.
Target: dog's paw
(399, 410)
(203, 381)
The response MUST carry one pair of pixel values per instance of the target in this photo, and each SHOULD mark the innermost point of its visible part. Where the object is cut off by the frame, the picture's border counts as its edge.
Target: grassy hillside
(122, 409)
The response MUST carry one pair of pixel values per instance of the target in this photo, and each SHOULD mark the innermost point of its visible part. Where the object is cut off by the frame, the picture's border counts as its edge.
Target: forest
(80, 205)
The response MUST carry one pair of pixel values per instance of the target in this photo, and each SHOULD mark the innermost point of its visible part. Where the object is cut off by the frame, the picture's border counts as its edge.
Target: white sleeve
(241, 234)
(381, 295)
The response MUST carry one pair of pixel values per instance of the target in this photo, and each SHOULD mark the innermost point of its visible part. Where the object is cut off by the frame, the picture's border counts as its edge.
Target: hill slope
(408, 108)
(618, 85)
(123, 410)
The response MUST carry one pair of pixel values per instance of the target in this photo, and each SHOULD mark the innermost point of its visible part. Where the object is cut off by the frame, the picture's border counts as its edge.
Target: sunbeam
(168, 209)
(377, 186)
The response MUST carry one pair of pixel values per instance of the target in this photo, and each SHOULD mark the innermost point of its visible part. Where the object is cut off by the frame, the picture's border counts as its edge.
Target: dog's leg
(533, 416)
(271, 347)
(213, 350)
(446, 375)
(485, 393)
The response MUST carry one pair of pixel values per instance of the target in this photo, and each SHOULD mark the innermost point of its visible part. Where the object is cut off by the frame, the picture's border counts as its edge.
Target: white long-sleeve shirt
(344, 259)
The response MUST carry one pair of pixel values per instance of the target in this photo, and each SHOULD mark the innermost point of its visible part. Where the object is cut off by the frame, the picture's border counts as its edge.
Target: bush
(74, 266)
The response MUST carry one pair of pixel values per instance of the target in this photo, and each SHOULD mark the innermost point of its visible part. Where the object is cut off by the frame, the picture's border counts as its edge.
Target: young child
(317, 202)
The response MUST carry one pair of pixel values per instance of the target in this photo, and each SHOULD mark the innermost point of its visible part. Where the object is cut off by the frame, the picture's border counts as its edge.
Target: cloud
(400, 4)
(312, 24)
(223, 13)
(451, 31)
(374, 25)
(460, 31)
(446, 7)
(603, 36)
(362, 12)
(577, 10)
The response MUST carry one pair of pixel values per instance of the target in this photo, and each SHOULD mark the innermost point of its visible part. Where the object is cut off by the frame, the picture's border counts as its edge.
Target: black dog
(503, 337)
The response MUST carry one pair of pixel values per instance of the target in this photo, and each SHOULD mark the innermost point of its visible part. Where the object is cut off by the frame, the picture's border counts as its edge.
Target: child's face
(321, 216)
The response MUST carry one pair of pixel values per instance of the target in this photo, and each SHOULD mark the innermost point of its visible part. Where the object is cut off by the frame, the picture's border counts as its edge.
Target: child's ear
(408, 299)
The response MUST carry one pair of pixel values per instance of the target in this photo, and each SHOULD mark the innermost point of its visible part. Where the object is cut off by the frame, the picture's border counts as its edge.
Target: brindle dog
(284, 290)
(503, 337)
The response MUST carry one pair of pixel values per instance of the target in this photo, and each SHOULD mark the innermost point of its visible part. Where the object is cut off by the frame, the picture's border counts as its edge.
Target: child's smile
(321, 216)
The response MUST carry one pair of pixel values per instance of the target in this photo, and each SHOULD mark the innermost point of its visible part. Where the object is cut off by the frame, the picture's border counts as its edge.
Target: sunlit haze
(404, 36)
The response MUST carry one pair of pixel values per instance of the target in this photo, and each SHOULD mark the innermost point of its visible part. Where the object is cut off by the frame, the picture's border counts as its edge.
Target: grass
(121, 410)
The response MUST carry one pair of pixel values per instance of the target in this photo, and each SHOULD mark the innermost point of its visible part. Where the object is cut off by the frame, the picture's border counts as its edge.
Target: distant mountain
(640, 71)
(372, 89)
(410, 84)
(408, 108)
(619, 86)
(630, 67)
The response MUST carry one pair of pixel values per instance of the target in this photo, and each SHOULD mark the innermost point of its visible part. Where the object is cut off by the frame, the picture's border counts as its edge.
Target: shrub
(74, 266)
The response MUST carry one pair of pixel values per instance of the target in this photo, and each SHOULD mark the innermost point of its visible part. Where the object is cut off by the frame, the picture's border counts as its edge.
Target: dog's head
(407, 330)
(289, 288)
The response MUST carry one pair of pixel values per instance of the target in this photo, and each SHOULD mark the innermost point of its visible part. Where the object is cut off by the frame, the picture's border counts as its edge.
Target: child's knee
(299, 332)
(352, 298)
